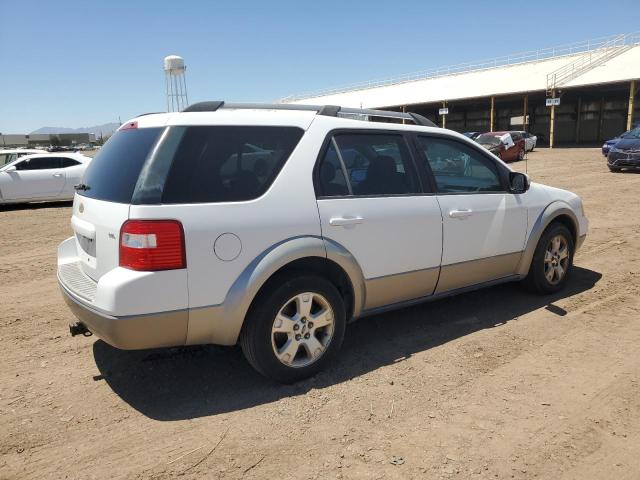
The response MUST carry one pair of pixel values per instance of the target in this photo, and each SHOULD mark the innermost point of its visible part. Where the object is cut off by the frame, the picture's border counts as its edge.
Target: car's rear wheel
(294, 328)
(552, 261)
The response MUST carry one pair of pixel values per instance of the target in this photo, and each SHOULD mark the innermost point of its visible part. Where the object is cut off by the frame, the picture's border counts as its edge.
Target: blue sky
(81, 63)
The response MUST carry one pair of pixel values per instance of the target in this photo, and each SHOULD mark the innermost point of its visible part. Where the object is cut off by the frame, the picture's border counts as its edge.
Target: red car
(509, 146)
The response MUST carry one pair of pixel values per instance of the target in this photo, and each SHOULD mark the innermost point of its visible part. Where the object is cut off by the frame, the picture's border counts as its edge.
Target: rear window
(224, 163)
(113, 173)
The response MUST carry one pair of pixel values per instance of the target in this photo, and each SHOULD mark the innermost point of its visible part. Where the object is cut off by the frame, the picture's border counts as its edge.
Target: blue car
(625, 153)
(606, 147)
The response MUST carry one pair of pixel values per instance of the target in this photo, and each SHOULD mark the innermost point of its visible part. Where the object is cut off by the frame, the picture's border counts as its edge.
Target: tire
(521, 154)
(615, 169)
(540, 279)
(279, 322)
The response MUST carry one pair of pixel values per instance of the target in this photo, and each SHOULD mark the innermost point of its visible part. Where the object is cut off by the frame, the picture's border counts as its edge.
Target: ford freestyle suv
(272, 226)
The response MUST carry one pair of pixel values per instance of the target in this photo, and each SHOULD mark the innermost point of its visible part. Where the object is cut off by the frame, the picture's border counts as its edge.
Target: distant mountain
(106, 129)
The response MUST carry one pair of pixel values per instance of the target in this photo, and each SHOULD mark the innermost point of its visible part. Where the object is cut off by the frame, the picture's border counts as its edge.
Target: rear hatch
(102, 202)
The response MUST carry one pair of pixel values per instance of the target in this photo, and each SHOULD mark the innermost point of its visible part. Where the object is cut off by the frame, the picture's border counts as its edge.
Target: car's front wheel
(521, 154)
(615, 169)
(552, 260)
(294, 328)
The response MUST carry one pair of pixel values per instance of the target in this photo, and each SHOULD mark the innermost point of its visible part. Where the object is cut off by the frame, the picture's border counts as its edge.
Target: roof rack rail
(326, 110)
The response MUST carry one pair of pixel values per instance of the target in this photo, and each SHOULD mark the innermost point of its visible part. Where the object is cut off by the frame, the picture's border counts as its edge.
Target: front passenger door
(484, 225)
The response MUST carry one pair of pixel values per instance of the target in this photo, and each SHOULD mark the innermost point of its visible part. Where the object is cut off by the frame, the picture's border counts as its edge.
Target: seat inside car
(382, 178)
(328, 173)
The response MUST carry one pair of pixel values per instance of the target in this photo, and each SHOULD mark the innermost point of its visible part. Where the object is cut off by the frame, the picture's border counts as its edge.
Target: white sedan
(37, 178)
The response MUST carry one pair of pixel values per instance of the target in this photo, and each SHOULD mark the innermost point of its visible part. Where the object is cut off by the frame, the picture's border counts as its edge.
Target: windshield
(488, 139)
(635, 133)
(6, 158)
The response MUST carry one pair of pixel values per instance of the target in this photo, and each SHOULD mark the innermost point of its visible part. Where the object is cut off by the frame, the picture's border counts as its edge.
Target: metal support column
(444, 117)
(525, 114)
(404, 110)
(600, 119)
(578, 115)
(632, 94)
(552, 121)
(492, 116)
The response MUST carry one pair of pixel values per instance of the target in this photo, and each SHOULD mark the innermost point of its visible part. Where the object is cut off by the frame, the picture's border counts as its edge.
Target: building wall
(21, 140)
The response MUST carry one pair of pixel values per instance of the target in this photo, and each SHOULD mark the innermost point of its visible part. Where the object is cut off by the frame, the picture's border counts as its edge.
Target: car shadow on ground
(191, 382)
(10, 207)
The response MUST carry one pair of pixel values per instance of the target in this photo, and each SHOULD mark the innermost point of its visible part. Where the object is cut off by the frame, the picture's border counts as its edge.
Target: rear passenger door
(484, 224)
(372, 203)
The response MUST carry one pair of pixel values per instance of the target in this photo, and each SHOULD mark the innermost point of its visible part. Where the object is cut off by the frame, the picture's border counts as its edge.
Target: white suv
(272, 226)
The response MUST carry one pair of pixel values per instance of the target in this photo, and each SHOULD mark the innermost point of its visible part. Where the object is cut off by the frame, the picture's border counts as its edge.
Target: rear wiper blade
(82, 186)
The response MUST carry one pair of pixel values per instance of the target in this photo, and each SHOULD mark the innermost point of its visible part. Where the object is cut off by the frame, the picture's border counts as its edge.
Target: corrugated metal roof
(510, 79)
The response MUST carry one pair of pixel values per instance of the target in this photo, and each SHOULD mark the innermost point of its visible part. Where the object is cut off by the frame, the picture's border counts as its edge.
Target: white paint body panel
(32, 184)
(46, 184)
(397, 234)
(106, 219)
(496, 225)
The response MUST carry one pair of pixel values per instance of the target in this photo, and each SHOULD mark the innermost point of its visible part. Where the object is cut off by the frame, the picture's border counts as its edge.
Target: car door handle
(57, 175)
(342, 221)
(460, 213)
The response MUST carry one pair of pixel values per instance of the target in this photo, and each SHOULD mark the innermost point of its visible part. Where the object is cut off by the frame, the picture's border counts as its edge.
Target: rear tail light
(151, 245)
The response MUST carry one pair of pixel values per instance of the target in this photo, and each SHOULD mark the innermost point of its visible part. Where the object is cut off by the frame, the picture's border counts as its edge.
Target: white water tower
(175, 83)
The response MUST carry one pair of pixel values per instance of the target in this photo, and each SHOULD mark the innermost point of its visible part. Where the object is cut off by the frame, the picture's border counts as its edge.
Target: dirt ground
(498, 383)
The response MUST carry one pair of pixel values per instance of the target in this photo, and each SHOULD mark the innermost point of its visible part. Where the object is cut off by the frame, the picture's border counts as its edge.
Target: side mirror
(518, 182)
(12, 168)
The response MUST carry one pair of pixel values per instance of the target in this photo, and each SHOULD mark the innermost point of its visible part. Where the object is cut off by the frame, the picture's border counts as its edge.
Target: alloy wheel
(556, 259)
(302, 330)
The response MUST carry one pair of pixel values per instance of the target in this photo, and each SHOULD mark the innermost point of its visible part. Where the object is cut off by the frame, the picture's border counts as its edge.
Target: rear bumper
(165, 329)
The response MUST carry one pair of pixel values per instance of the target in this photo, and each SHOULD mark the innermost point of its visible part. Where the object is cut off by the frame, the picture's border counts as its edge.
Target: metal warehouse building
(45, 139)
(595, 83)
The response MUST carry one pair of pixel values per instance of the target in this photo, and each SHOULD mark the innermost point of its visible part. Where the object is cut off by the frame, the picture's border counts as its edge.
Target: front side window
(226, 163)
(45, 163)
(375, 164)
(458, 168)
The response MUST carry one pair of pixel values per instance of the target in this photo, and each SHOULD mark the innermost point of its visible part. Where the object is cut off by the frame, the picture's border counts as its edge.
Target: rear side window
(113, 173)
(68, 162)
(226, 163)
(331, 175)
(43, 163)
(375, 164)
